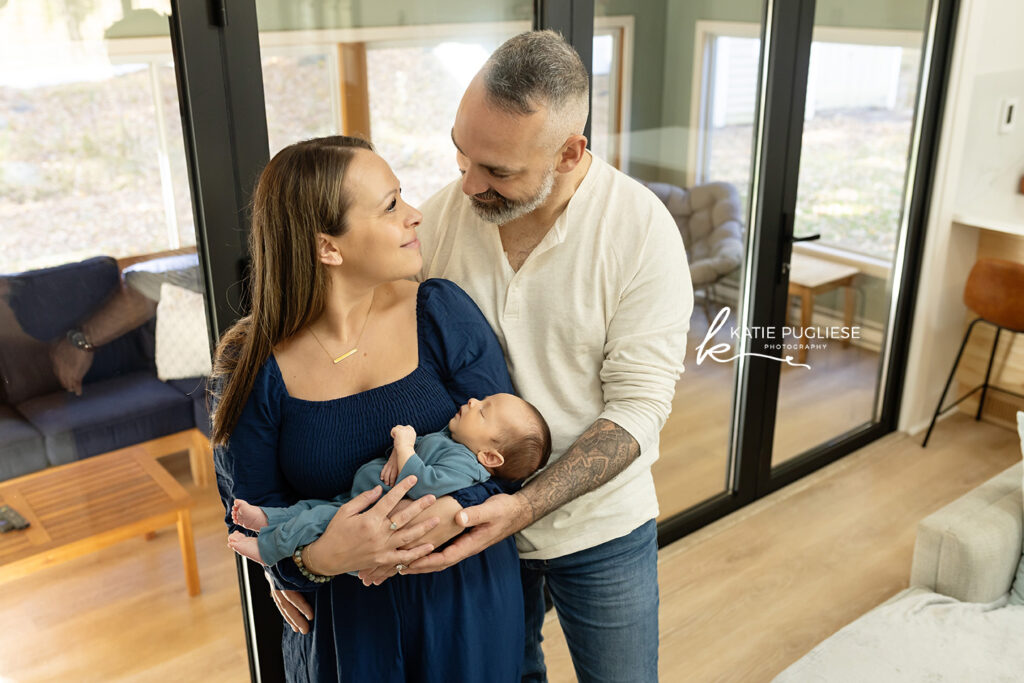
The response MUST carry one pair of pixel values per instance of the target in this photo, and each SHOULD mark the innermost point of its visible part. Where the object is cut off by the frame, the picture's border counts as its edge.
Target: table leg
(806, 316)
(188, 551)
(848, 311)
(200, 460)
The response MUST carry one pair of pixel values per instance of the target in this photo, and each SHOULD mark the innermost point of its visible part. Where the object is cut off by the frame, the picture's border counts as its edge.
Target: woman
(338, 348)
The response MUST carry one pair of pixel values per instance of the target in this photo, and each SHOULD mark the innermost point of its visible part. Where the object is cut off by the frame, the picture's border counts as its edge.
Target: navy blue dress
(461, 624)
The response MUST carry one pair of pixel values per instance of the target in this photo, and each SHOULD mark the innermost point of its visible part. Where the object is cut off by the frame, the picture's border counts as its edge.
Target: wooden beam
(355, 89)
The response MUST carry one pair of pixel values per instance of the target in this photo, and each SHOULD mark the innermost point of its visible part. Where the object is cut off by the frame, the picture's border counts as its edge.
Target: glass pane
(299, 89)
(685, 126)
(392, 73)
(104, 350)
(861, 93)
(428, 79)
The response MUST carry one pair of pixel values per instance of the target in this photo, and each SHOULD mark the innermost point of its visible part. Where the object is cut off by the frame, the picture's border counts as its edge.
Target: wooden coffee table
(809, 276)
(86, 505)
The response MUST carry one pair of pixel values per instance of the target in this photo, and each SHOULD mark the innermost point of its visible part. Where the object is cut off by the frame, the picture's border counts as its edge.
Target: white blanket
(921, 636)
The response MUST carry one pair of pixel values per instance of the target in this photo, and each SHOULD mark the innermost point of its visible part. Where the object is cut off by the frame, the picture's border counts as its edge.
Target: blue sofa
(123, 403)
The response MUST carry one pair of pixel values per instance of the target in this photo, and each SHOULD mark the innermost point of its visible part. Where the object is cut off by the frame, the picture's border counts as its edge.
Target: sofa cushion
(1017, 590)
(182, 336)
(147, 277)
(48, 301)
(110, 414)
(195, 389)
(21, 446)
(970, 548)
(920, 636)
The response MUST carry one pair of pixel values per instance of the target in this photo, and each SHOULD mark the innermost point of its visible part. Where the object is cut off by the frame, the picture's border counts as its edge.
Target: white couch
(953, 623)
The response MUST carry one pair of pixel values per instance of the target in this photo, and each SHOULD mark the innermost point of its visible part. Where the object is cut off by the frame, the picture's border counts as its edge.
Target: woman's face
(380, 243)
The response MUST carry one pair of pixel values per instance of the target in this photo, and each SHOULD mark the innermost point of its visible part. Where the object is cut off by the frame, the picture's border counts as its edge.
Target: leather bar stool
(995, 291)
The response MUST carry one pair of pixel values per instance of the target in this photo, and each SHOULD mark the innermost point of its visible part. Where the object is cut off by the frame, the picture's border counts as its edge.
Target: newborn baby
(501, 436)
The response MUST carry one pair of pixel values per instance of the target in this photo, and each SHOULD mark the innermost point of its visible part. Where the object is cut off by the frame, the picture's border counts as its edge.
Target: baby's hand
(404, 436)
(389, 473)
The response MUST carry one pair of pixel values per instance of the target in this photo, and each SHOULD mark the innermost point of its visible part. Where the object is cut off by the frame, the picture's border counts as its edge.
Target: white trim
(404, 35)
(163, 158)
(335, 76)
(626, 24)
(884, 37)
(700, 97)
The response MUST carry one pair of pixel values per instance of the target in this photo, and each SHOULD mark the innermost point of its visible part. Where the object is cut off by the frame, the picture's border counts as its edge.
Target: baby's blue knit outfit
(440, 464)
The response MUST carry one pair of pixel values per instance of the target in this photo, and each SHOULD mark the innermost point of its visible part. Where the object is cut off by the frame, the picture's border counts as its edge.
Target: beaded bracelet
(315, 578)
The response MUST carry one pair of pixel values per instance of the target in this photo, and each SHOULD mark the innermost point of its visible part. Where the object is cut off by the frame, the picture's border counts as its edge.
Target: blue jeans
(607, 603)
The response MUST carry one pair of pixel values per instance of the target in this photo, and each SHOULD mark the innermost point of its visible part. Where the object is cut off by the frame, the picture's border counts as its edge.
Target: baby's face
(479, 425)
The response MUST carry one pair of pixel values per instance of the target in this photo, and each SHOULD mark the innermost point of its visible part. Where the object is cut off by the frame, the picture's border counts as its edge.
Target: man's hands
(405, 443)
(358, 537)
(70, 364)
(495, 519)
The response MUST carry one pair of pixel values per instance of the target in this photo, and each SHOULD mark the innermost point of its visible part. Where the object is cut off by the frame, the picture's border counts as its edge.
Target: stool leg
(949, 380)
(988, 373)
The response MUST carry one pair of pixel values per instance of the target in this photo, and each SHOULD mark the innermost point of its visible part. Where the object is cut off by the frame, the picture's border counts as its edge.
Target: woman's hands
(358, 537)
(293, 606)
(445, 508)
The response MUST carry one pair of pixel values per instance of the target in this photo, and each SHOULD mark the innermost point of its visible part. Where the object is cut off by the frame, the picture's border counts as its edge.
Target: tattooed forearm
(600, 453)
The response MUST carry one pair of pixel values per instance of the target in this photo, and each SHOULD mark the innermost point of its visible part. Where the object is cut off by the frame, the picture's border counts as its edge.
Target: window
(91, 153)
(857, 126)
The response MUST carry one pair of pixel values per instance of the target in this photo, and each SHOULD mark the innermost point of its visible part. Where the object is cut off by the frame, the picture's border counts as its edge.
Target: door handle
(806, 238)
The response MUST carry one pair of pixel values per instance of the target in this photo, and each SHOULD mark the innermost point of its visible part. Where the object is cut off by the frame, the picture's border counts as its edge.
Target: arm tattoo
(600, 453)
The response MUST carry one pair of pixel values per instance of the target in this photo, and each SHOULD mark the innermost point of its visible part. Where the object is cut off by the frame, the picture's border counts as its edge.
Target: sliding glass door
(859, 154)
(755, 121)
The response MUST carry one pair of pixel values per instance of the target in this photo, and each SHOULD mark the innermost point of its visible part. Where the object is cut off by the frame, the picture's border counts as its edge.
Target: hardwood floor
(748, 595)
(741, 599)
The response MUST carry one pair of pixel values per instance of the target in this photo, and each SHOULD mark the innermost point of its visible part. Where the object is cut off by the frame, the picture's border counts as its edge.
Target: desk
(86, 505)
(809, 276)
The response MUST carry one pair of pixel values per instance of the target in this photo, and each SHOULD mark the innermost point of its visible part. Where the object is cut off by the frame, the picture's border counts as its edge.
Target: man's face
(507, 172)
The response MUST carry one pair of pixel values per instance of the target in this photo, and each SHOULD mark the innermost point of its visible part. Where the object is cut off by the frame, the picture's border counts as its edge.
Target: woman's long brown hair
(299, 194)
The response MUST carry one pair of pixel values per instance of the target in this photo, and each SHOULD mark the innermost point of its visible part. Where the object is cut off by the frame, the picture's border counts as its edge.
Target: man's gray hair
(540, 69)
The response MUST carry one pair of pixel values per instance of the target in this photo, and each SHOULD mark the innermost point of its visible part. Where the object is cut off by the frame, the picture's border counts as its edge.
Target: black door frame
(936, 55)
(217, 61)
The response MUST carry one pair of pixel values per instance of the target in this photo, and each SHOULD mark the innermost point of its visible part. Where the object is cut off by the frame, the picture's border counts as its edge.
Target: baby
(502, 435)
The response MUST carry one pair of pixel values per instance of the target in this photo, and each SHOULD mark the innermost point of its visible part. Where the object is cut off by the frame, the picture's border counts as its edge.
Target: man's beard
(501, 210)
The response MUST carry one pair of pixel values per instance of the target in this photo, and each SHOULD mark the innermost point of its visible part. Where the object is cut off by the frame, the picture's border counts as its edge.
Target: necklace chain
(358, 339)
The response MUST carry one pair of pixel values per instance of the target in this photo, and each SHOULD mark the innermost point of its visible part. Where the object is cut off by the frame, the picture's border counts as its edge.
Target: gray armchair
(710, 220)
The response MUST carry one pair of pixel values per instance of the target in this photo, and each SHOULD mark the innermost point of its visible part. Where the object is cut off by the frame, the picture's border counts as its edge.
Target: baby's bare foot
(249, 516)
(245, 546)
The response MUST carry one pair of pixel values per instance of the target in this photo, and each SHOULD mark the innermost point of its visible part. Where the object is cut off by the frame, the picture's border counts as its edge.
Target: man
(581, 272)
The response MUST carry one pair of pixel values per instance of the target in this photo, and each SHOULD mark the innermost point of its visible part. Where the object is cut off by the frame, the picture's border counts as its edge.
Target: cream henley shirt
(593, 325)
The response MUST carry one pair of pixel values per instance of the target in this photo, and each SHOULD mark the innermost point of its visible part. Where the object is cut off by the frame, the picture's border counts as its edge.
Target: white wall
(988, 42)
